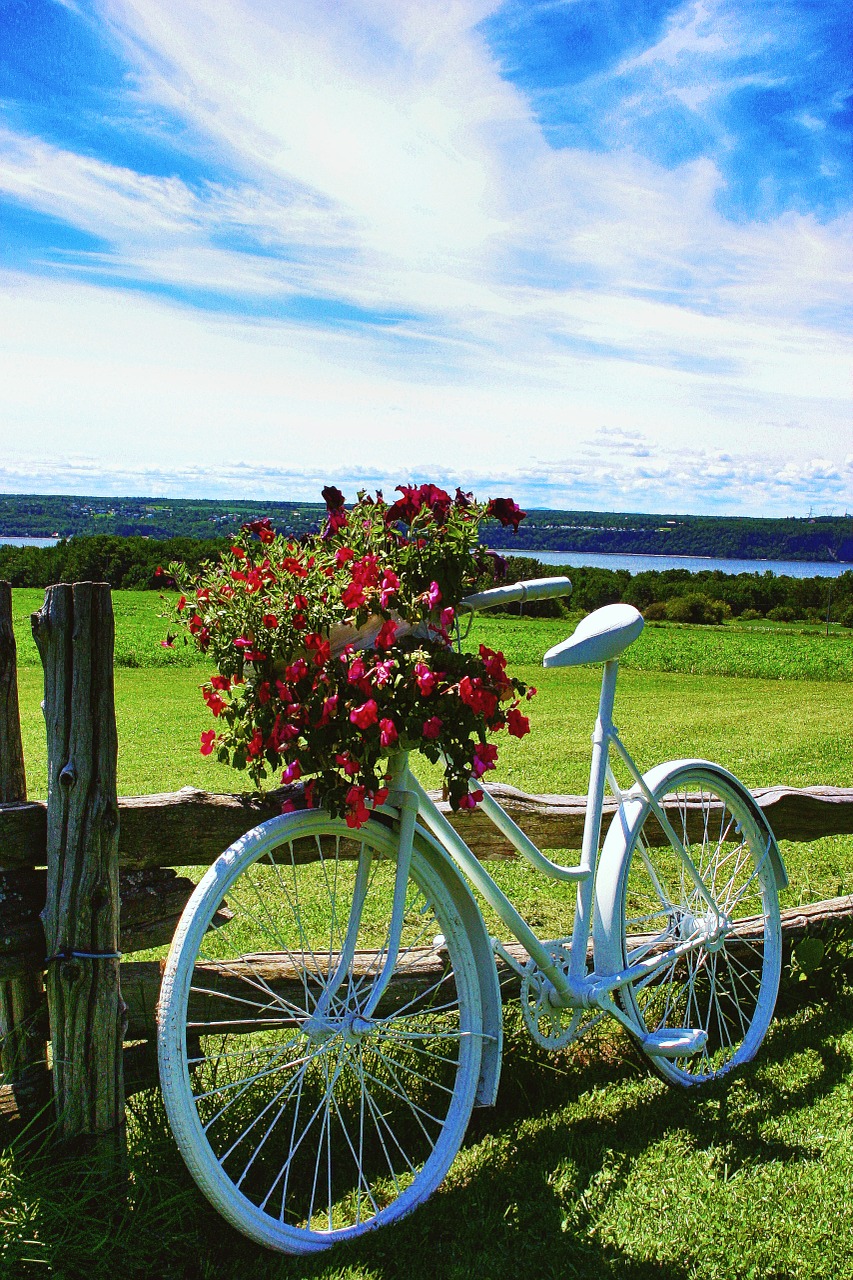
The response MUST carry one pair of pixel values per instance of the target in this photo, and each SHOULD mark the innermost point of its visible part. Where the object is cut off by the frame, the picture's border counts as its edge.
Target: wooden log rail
(191, 828)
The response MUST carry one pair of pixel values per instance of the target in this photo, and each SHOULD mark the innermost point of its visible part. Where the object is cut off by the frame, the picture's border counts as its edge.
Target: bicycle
(321, 1051)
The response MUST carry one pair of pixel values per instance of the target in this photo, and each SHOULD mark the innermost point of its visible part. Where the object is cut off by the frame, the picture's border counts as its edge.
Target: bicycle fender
(478, 934)
(630, 814)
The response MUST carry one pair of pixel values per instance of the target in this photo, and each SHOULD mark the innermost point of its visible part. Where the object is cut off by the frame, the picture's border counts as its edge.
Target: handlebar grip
(535, 589)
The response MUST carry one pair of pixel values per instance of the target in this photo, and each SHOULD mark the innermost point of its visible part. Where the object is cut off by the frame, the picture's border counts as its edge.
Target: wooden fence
(88, 876)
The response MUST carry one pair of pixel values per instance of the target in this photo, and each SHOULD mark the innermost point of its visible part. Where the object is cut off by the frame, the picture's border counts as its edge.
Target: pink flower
(517, 724)
(470, 800)
(427, 679)
(432, 727)
(390, 585)
(330, 709)
(387, 732)
(292, 773)
(433, 596)
(207, 740)
(387, 632)
(447, 615)
(485, 755)
(288, 807)
(382, 672)
(365, 715)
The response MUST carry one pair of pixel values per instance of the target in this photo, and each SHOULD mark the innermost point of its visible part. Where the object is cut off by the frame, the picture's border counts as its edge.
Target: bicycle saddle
(599, 637)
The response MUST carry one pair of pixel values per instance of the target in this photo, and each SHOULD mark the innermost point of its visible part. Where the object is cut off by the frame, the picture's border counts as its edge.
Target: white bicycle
(321, 1052)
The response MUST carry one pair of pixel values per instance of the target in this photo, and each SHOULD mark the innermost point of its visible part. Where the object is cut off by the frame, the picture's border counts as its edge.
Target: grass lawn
(589, 1166)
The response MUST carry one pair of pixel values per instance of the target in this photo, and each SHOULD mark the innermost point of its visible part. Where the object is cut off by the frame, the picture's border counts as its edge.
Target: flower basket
(334, 651)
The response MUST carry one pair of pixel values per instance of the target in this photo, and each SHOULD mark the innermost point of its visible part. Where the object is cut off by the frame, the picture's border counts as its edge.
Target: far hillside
(819, 538)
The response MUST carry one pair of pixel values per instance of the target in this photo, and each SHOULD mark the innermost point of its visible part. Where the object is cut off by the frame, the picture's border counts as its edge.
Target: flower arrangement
(333, 651)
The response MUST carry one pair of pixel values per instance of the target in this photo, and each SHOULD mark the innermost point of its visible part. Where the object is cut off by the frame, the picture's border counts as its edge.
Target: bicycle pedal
(674, 1042)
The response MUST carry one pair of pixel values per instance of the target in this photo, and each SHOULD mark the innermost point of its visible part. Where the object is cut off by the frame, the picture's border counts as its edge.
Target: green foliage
(698, 609)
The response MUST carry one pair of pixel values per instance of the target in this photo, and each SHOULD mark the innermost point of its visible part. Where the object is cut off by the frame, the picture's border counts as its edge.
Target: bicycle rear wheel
(303, 1121)
(725, 984)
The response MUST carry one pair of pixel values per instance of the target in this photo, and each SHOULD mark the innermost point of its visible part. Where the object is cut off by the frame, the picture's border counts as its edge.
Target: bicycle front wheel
(303, 1118)
(722, 976)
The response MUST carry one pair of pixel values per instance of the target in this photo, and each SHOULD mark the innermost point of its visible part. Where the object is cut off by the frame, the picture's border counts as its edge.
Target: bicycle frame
(577, 987)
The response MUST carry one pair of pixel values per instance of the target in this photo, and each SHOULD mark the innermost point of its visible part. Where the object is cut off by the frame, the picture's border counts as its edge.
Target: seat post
(592, 819)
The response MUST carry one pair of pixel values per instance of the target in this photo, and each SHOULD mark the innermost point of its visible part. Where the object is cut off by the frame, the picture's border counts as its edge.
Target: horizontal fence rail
(190, 828)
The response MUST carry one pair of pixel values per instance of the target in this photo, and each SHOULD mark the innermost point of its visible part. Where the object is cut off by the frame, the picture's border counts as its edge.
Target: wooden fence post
(24, 1049)
(75, 634)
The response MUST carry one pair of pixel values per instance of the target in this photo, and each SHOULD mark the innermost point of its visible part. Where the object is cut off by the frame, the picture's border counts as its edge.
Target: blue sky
(590, 252)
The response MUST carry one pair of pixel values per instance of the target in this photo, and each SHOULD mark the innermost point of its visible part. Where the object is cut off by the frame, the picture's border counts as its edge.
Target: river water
(639, 564)
(28, 542)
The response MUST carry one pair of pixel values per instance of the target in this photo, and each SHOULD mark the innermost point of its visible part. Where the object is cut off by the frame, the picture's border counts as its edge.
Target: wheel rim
(317, 1121)
(726, 984)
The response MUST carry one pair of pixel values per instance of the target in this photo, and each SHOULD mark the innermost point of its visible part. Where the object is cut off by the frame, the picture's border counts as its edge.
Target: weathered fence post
(24, 1048)
(75, 632)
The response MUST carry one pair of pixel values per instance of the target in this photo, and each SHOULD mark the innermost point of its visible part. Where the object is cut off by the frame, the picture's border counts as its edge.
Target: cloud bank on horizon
(596, 252)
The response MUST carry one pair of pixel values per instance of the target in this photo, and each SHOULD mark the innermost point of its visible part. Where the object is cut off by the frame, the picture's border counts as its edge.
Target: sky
(592, 254)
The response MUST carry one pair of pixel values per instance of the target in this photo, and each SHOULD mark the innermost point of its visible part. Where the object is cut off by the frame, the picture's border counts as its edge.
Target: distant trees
(709, 596)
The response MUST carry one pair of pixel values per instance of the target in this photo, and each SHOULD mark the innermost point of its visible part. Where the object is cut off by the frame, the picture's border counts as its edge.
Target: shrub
(750, 615)
(696, 608)
(655, 611)
(845, 617)
(782, 613)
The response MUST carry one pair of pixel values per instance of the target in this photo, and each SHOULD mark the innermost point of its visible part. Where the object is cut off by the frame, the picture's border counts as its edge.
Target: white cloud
(379, 159)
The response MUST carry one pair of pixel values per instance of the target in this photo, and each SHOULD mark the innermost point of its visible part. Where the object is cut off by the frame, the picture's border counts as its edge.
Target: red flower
(481, 700)
(426, 679)
(437, 500)
(207, 740)
(342, 555)
(507, 512)
(222, 683)
(216, 704)
(387, 632)
(432, 727)
(263, 528)
(270, 620)
(294, 566)
(447, 615)
(405, 508)
(387, 732)
(470, 799)
(346, 762)
(357, 813)
(322, 648)
(365, 715)
(263, 692)
(517, 724)
(333, 497)
(182, 604)
(353, 596)
(255, 745)
(296, 671)
(239, 553)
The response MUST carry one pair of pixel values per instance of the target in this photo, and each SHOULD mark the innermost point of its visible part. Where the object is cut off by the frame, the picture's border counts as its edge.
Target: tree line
(707, 596)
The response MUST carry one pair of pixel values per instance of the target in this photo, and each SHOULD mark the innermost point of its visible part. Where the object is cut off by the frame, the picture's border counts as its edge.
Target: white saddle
(599, 637)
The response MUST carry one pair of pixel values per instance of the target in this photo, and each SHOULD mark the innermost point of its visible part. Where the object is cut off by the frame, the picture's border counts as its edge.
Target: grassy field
(589, 1166)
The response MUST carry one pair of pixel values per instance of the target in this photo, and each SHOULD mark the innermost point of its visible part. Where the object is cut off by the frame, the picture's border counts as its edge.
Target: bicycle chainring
(549, 1025)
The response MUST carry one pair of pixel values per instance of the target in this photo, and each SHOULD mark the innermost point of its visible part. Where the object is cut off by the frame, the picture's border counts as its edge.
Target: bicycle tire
(727, 987)
(303, 1135)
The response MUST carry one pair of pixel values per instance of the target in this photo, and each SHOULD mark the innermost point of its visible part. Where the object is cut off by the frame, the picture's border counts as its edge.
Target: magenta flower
(365, 715)
(432, 727)
(387, 732)
(207, 740)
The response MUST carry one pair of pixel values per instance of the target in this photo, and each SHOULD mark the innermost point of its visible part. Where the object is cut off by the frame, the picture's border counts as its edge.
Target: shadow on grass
(526, 1196)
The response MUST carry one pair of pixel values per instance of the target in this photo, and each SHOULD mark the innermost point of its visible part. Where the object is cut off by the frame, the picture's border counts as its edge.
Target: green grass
(589, 1166)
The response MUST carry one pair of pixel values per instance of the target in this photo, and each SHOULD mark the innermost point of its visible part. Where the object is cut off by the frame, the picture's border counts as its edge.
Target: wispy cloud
(376, 236)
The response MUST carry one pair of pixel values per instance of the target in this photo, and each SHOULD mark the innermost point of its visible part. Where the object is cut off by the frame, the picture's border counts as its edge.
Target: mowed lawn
(589, 1165)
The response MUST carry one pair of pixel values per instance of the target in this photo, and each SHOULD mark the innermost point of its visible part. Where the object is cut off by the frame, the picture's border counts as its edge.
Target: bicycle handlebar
(535, 589)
